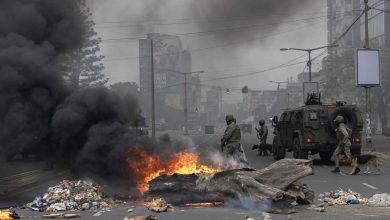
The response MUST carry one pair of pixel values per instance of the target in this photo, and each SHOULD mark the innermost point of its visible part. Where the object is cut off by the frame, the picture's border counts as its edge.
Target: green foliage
(338, 81)
(85, 63)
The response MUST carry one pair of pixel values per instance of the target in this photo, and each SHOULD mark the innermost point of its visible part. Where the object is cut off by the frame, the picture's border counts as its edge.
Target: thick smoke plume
(87, 129)
(38, 113)
(33, 36)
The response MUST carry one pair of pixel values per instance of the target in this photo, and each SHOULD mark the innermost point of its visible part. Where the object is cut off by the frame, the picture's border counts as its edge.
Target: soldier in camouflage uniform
(343, 147)
(262, 134)
(231, 141)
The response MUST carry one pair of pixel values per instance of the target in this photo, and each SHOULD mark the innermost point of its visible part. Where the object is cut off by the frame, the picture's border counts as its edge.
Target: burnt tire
(325, 156)
(278, 151)
(297, 150)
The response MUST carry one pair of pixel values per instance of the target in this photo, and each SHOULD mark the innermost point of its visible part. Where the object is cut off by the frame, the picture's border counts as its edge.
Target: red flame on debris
(147, 167)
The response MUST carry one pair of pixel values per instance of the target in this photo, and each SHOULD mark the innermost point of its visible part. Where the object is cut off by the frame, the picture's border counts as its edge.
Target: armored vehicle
(310, 129)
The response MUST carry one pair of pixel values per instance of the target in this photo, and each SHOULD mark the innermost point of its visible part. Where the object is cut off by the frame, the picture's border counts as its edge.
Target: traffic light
(245, 89)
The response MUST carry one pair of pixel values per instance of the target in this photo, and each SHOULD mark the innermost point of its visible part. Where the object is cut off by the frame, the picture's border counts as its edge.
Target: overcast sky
(237, 36)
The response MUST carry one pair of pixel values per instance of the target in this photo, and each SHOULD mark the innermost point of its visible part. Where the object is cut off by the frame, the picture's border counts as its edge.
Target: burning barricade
(274, 187)
(71, 195)
(8, 215)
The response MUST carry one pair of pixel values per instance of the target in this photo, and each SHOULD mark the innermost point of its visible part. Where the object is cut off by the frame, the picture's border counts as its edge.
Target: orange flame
(5, 215)
(147, 167)
(204, 204)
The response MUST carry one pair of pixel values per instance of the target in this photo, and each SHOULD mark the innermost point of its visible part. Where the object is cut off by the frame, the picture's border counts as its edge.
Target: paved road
(323, 180)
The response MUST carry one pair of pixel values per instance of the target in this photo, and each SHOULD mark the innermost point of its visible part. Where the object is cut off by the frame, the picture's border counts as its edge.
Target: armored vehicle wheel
(278, 151)
(297, 151)
(325, 156)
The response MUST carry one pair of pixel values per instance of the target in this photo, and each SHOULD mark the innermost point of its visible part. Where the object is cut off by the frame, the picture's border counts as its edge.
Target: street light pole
(153, 95)
(186, 97)
(309, 64)
(185, 105)
(367, 88)
(309, 52)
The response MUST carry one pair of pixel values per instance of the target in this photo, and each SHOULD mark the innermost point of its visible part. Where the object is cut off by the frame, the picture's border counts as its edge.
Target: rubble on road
(159, 205)
(71, 195)
(379, 200)
(149, 217)
(61, 215)
(341, 197)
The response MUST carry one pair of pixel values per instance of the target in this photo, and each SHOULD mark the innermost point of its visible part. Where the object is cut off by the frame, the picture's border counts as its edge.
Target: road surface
(322, 181)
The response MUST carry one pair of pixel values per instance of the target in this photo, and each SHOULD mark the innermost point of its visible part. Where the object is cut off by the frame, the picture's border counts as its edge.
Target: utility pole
(309, 52)
(278, 91)
(152, 89)
(367, 88)
(186, 97)
(185, 105)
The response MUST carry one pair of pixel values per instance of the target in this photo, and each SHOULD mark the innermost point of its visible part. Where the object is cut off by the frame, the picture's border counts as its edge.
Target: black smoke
(33, 36)
(90, 130)
(87, 129)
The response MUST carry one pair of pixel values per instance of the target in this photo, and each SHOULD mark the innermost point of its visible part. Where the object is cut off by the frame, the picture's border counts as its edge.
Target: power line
(212, 31)
(199, 20)
(220, 46)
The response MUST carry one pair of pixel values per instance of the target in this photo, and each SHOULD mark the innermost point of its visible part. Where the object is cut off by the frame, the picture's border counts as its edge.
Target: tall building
(341, 14)
(212, 106)
(260, 102)
(170, 64)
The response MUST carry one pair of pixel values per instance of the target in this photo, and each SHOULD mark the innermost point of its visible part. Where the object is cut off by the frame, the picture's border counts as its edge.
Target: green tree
(338, 81)
(85, 63)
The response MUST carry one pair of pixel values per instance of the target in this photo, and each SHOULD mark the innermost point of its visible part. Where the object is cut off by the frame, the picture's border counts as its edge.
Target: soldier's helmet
(339, 119)
(229, 119)
(261, 122)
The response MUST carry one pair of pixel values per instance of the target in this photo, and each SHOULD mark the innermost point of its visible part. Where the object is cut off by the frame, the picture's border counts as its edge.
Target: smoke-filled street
(212, 109)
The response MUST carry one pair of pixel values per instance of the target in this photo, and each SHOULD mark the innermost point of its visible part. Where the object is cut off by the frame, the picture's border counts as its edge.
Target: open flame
(147, 166)
(5, 215)
(204, 204)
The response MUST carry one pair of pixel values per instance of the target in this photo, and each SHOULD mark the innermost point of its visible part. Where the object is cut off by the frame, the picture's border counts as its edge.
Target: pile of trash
(159, 205)
(71, 195)
(341, 197)
(379, 200)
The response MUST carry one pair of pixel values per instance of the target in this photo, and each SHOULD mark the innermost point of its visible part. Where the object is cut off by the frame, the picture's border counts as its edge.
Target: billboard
(367, 67)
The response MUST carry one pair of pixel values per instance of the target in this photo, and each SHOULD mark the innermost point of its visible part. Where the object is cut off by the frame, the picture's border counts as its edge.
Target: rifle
(223, 143)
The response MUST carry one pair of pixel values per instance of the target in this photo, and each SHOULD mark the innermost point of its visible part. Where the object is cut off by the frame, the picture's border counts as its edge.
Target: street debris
(159, 205)
(71, 195)
(379, 200)
(266, 216)
(341, 197)
(61, 215)
(149, 217)
(276, 183)
(8, 215)
(249, 218)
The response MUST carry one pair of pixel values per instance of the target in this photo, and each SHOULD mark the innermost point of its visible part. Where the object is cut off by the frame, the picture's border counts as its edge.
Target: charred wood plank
(276, 183)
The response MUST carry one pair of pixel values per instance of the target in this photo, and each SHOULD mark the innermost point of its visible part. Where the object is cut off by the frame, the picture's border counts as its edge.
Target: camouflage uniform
(262, 134)
(343, 136)
(232, 141)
